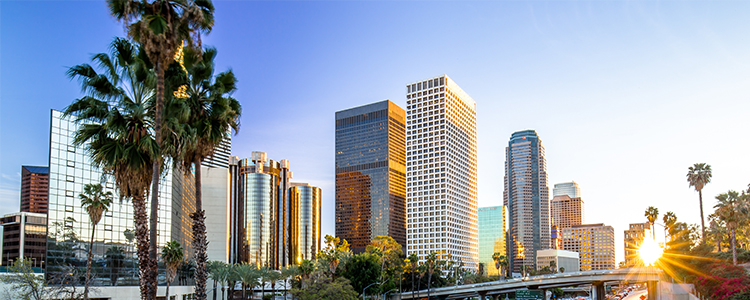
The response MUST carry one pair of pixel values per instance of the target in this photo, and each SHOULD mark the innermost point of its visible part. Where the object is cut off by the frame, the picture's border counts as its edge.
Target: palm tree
(273, 276)
(306, 268)
(264, 274)
(717, 229)
(553, 266)
(217, 271)
(116, 124)
(286, 273)
(172, 254)
(562, 269)
(162, 27)
(698, 176)
(249, 276)
(670, 219)
(432, 262)
(498, 258)
(95, 201)
(115, 257)
(652, 213)
(733, 210)
(413, 261)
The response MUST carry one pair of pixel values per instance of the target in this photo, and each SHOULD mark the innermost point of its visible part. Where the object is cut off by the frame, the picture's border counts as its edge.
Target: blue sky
(625, 95)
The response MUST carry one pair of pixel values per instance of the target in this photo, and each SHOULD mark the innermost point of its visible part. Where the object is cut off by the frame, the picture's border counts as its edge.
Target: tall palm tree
(116, 121)
(734, 210)
(717, 229)
(670, 219)
(249, 276)
(698, 176)
(95, 201)
(115, 257)
(497, 257)
(432, 262)
(652, 213)
(217, 271)
(172, 254)
(161, 27)
(413, 262)
(287, 273)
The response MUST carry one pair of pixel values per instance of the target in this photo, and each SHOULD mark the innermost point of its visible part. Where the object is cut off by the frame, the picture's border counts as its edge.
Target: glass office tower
(567, 188)
(526, 195)
(370, 174)
(491, 236)
(306, 201)
(441, 151)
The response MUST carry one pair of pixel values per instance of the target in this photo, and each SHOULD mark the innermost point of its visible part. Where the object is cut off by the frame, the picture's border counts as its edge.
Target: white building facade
(441, 190)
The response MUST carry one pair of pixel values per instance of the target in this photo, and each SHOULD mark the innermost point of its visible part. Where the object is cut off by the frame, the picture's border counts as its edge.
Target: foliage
(26, 285)
(652, 213)
(326, 289)
(335, 251)
(723, 281)
(362, 270)
(115, 257)
(698, 176)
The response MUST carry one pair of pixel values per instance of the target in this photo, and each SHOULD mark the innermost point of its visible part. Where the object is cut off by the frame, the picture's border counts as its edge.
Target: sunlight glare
(649, 251)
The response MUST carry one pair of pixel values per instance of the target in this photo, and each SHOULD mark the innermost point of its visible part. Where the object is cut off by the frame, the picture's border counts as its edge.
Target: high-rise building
(491, 236)
(441, 151)
(370, 174)
(595, 244)
(272, 218)
(634, 236)
(567, 188)
(526, 195)
(24, 236)
(34, 189)
(69, 228)
(566, 211)
(222, 152)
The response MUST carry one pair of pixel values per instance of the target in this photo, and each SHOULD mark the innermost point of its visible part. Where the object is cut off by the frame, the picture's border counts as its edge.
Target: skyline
(612, 88)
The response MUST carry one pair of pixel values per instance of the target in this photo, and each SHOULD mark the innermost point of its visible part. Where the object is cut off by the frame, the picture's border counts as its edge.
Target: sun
(649, 252)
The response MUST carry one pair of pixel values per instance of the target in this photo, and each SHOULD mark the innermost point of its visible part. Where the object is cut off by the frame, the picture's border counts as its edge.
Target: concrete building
(441, 171)
(595, 244)
(633, 237)
(565, 261)
(371, 174)
(491, 236)
(526, 195)
(24, 236)
(571, 189)
(566, 211)
(34, 189)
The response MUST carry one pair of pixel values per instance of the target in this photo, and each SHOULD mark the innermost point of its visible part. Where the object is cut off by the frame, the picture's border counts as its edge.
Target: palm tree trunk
(718, 241)
(142, 239)
(199, 235)
(167, 294)
(412, 283)
(703, 225)
(214, 289)
(734, 248)
(155, 177)
(88, 264)
(429, 284)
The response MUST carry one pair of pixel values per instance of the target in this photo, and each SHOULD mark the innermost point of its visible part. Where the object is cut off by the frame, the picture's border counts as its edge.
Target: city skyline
(632, 88)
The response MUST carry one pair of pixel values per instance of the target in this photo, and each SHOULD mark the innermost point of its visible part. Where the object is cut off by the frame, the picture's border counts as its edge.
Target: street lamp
(386, 293)
(363, 290)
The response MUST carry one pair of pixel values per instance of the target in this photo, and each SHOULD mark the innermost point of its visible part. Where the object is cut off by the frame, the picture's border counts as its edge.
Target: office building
(565, 261)
(34, 189)
(370, 174)
(595, 244)
(566, 211)
(441, 191)
(24, 236)
(633, 238)
(70, 169)
(271, 217)
(567, 188)
(526, 195)
(222, 152)
(491, 236)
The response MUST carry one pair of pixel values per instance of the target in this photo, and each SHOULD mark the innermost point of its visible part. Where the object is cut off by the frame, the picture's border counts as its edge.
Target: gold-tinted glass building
(595, 244)
(370, 174)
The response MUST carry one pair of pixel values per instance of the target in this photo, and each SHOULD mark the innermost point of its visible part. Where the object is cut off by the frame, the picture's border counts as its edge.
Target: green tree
(732, 208)
(717, 230)
(249, 275)
(336, 250)
(388, 251)
(413, 264)
(286, 273)
(217, 272)
(669, 220)
(172, 254)
(362, 270)
(553, 266)
(432, 263)
(698, 176)
(24, 284)
(562, 269)
(95, 201)
(115, 257)
(162, 27)
(326, 289)
(115, 120)
(501, 261)
(306, 268)
(652, 213)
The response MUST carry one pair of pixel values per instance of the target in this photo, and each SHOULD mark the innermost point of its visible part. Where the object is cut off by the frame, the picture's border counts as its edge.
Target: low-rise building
(565, 261)
(24, 236)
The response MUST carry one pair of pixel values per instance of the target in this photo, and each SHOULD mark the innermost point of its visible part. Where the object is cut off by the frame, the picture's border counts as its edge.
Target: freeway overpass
(496, 289)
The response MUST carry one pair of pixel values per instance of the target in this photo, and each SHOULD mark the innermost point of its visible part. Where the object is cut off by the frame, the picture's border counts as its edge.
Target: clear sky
(625, 95)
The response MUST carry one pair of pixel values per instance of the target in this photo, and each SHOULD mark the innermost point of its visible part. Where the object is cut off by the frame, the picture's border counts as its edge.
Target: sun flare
(650, 252)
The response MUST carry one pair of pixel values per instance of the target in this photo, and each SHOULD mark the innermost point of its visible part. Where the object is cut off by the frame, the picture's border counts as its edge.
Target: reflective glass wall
(306, 201)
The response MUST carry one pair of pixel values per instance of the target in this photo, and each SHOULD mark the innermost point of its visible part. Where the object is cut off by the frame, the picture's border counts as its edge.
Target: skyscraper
(441, 151)
(567, 188)
(222, 152)
(491, 236)
(370, 174)
(595, 244)
(306, 230)
(633, 237)
(34, 189)
(526, 195)
(566, 211)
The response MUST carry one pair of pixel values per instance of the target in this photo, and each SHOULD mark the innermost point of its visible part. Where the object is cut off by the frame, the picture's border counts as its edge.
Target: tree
(562, 269)
(362, 270)
(115, 120)
(286, 273)
(162, 27)
(501, 261)
(95, 201)
(326, 289)
(733, 210)
(432, 262)
(115, 257)
(249, 276)
(669, 220)
(388, 251)
(413, 262)
(306, 268)
(652, 213)
(553, 266)
(24, 283)
(217, 271)
(172, 254)
(698, 176)
(335, 250)
(717, 230)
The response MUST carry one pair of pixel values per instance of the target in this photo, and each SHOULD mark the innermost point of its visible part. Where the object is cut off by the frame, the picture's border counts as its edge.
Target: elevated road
(495, 289)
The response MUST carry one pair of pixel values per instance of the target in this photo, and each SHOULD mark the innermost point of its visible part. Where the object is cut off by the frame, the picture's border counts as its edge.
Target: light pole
(386, 293)
(363, 290)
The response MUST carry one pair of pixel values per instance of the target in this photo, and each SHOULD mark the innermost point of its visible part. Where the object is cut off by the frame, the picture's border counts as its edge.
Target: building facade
(491, 236)
(24, 236)
(566, 211)
(370, 174)
(595, 244)
(441, 166)
(34, 189)
(633, 238)
(306, 231)
(564, 261)
(526, 195)
(567, 188)
(221, 155)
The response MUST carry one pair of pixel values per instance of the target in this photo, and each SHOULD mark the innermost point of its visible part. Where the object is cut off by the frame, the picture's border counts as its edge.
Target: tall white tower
(441, 151)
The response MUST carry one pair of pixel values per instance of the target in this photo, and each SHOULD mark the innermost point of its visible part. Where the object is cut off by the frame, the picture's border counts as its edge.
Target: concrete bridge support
(653, 290)
(597, 290)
